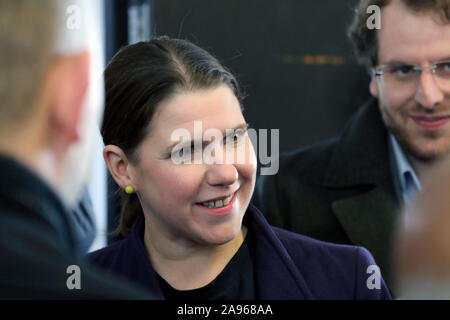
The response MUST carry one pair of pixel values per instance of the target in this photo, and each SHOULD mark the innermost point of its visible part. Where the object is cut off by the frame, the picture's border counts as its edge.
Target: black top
(38, 243)
(235, 282)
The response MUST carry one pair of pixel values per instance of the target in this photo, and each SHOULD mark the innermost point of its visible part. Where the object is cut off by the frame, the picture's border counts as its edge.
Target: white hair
(80, 28)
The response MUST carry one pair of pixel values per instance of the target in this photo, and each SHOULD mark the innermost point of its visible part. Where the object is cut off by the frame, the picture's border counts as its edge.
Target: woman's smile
(219, 206)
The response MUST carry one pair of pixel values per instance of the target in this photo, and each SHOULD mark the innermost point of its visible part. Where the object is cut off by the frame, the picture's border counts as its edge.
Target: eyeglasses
(409, 73)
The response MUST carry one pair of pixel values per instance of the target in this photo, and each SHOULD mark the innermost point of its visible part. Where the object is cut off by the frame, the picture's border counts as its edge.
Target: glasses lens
(401, 72)
(443, 69)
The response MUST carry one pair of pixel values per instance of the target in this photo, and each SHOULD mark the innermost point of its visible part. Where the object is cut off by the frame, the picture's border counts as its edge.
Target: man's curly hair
(365, 40)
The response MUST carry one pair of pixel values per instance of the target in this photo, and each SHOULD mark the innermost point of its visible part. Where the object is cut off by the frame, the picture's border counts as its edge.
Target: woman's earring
(129, 189)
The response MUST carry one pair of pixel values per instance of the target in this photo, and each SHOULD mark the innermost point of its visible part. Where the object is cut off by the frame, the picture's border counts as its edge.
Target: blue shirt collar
(409, 182)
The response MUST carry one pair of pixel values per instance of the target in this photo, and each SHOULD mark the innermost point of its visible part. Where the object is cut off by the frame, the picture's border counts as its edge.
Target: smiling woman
(190, 232)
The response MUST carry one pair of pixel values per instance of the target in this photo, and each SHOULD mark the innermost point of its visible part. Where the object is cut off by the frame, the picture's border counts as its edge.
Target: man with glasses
(349, 189)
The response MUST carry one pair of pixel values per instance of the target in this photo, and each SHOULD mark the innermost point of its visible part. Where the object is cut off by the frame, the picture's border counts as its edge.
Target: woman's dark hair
(365, 40)
(140, 77)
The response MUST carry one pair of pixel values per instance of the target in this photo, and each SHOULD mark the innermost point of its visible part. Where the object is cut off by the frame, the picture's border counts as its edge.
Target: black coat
(341, 190)
(37, 244)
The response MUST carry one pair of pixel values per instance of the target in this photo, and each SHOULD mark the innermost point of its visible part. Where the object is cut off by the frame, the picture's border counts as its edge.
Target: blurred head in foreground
(423, 243)
(50, 60)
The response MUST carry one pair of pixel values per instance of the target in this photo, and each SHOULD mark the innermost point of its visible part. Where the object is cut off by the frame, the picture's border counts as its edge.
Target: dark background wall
(291, 56)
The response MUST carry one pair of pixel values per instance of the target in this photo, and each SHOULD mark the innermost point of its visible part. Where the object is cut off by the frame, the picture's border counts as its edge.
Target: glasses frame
(378, 70)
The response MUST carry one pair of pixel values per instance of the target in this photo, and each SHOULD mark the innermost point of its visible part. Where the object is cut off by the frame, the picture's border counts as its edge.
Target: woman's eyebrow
(242, 126)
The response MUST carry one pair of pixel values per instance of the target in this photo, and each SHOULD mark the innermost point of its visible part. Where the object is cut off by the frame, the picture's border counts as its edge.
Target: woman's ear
(118, 166)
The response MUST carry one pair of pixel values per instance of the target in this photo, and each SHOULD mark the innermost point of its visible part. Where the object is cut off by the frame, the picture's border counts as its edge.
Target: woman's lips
(431, 123)
(223, 209)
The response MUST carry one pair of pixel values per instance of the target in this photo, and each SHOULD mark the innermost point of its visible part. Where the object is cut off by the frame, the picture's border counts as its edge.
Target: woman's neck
(186, 265)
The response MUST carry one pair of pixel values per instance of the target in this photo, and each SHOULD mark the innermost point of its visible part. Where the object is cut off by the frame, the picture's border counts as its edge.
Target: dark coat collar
(360, 169)
(361, 155)
(29, 196)
(276, 275)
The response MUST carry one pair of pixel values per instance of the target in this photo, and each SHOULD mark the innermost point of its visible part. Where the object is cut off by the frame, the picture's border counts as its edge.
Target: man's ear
(118, 166)
(68, 87)
(373, 87)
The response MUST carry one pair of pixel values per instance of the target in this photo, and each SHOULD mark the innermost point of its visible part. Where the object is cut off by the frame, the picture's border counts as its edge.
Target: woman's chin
(221, 237)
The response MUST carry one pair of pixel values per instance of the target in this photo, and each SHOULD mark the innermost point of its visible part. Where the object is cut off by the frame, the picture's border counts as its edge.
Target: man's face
(418, 114)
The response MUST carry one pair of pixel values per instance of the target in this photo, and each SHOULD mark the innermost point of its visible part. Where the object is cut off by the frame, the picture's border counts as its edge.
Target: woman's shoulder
(319, 252)
(122, 255)
(298, 245)
(326, 265)
(109, 254)
(292, 240)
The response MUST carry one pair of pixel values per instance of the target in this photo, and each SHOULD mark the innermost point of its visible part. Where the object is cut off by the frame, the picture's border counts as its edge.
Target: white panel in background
(97, 186)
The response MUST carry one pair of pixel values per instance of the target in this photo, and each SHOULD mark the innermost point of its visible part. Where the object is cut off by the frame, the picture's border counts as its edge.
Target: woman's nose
(221, 174)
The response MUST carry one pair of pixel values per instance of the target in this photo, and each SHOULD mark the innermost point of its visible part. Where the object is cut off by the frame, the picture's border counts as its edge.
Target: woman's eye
(183, 152)
(235, 136)
(177, 154)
